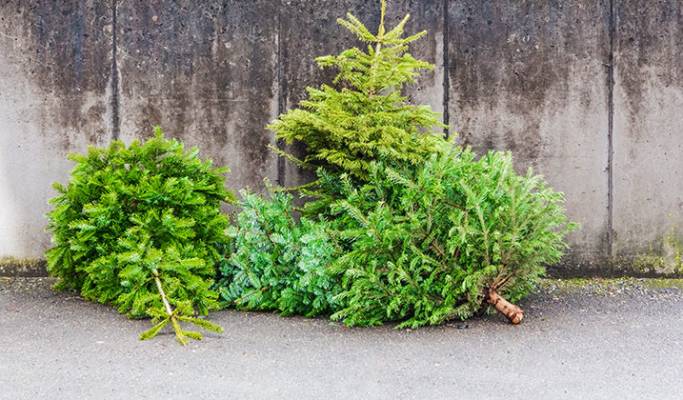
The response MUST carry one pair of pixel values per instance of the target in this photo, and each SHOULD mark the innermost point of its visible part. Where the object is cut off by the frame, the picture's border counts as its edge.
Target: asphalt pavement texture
(580, 340)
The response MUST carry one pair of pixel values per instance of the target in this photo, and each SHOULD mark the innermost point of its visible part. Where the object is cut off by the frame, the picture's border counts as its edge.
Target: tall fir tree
(364, 116)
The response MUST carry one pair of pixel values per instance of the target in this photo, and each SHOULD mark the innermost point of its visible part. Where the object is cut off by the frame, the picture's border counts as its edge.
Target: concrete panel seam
(445, 66)
(115, 118)
(281, 96)
(610, 133)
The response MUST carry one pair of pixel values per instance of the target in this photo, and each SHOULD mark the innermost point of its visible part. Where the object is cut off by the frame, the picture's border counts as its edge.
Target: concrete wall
(55, 66)
(588, 93)
(648, 133)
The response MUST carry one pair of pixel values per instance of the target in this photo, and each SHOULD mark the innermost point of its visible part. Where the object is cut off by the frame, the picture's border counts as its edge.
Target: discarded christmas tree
(141, 228)
(428, 232)
(445, 240)
(278, 262)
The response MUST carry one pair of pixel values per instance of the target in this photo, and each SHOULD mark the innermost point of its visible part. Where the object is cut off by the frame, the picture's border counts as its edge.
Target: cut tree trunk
(513, 313)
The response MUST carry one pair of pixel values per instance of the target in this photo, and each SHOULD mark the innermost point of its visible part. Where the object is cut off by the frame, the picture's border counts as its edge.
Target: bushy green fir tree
(440, 242)
(141, 228)
(279, 263)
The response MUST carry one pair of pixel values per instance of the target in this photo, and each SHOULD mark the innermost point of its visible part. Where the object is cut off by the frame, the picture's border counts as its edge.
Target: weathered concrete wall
(206, 72)
(55, 62)
(587, 93)
(648, 134)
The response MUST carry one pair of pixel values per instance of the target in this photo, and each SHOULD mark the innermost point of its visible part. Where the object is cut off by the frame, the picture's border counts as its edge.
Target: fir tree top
(364, 117)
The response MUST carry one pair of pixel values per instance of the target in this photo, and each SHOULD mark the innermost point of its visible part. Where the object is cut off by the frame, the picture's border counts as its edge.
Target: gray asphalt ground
(580, 340)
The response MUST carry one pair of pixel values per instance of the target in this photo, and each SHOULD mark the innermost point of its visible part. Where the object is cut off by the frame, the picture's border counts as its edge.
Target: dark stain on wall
(65, 48)
(205, 71)
(518, 55)
(649, 37)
